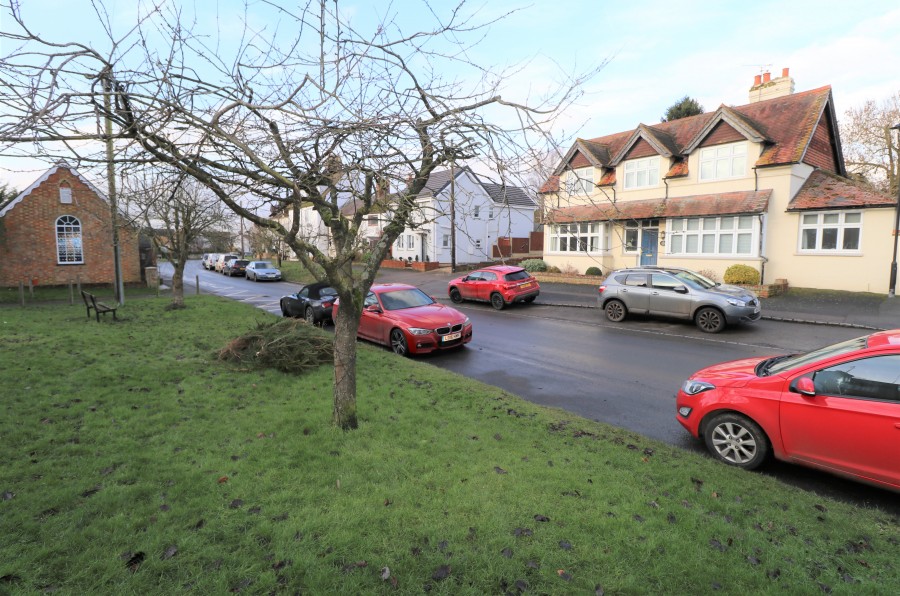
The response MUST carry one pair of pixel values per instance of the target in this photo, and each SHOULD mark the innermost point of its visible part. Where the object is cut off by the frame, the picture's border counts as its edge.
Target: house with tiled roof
(762, 184)
(482, 213)
(59, 231)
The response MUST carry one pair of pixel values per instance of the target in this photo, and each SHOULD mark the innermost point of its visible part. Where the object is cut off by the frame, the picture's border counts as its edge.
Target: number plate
(526, 285)
(452, 336)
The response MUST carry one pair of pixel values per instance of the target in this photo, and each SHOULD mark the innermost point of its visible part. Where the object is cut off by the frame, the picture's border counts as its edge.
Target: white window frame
(636, 228)
(641, 173)
(491, 211)
(830, 220)
(410, 241)
(713, 236)
(69, 241)
(580, 237)
(400, 241)
(723, 162)
(580, 181)
(445, 241)
(476, 212)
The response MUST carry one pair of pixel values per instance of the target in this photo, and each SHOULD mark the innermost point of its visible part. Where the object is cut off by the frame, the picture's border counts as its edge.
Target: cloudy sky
(655, 51)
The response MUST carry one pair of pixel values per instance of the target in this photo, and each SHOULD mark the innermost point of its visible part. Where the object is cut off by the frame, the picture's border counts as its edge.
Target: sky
(655, 52)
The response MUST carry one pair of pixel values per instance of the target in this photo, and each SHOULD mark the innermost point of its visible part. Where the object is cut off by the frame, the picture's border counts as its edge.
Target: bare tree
(176, 212)
(871, 148)
(311, 112)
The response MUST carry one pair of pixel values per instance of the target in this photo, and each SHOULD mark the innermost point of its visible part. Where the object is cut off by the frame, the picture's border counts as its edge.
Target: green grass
(134, 462)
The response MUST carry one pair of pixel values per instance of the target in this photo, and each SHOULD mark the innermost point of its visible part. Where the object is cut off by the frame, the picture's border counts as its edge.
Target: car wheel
(309, 315)
(710, 320)
(497, 301)
(398, 343)
(284, 312)
(615, 311)
(737, 441)
(455, 296)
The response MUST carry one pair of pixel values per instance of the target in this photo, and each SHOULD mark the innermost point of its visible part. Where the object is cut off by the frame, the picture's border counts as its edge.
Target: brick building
(58, 230)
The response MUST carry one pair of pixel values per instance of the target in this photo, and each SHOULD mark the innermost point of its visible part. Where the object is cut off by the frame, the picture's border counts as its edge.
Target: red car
(500, 285)
(410, 321)
(836, 409)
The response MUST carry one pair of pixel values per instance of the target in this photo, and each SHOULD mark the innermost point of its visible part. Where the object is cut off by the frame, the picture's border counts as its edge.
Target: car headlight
(736, 302)
(419, 331)
(691, 387)
(466, 322)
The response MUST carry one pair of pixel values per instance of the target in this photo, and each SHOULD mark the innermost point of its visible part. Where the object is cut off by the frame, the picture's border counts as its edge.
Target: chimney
(769, 88)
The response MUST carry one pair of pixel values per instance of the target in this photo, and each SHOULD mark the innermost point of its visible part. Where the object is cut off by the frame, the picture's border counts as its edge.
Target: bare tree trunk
(177, 284)
(345, 326)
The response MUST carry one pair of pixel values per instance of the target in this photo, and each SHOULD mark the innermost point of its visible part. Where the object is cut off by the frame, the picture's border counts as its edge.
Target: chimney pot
(767, 76)
(785, 72)
(757, 80)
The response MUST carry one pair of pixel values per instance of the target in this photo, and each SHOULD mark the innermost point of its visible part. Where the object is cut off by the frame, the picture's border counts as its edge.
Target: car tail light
(327, 304)
(601, 289)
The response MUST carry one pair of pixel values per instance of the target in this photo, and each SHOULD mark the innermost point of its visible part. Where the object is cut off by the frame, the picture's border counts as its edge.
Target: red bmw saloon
(836, 409)
(410, 321)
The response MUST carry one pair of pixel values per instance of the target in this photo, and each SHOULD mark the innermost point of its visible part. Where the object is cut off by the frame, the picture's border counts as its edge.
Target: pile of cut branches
(289, 345)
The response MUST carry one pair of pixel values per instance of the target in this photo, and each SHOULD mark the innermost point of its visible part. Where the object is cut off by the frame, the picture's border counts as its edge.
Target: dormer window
(642, 173)
(723, 161)
(580, 181)
(65, 193)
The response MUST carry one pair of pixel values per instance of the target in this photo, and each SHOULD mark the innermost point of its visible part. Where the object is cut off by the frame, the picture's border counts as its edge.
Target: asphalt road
(624, 374)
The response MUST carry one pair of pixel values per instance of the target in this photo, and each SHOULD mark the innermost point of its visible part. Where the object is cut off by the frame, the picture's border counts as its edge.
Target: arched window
(68, 240)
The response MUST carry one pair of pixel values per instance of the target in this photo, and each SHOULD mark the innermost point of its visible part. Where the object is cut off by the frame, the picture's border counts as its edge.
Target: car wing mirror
(804, 386)
(465, 278)
(681, 289)
(374, 308)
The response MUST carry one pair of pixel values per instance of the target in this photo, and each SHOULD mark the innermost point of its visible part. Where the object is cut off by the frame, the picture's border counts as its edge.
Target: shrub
(709, 274)
(569, 270)
(593, 271)
(741, 274)
(532, 265)
(553, 269)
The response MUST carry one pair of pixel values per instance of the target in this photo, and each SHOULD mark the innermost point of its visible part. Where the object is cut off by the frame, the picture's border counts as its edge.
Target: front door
(649, 245)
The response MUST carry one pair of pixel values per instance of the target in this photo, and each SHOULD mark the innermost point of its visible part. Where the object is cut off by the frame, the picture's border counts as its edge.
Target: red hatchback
(410, 321)
(836, 409)
(500, 285)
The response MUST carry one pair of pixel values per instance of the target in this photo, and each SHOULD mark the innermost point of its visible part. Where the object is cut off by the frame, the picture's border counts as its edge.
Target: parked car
(676, 292)
(500, 285)
(224, 258)
(313, 302)
(410, 321)
(235, 267)
(209, 261)
(836, 409)
(259, 270)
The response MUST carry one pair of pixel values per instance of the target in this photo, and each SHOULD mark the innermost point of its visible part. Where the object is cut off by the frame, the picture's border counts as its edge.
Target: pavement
(818, 307)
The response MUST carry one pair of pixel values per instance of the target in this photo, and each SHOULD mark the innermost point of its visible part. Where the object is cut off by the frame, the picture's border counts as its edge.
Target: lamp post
(893, 283)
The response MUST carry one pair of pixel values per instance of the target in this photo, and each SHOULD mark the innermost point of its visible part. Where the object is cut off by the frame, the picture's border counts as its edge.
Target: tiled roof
(350, 208)
(500, 194)
(551, 185)
(824, 190)
(508, 195)
(786, 123)
(678, 169)
(708, 205)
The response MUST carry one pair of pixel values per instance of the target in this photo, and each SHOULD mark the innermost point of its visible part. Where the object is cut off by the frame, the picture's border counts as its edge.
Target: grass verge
(134, 462)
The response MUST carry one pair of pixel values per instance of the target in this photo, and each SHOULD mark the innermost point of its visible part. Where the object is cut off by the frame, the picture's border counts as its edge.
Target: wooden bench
(90, 301)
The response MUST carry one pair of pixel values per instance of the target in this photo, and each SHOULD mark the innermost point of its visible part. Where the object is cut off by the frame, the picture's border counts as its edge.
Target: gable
(579, 161)
(822, 148)
(722, 133)
(640, 149)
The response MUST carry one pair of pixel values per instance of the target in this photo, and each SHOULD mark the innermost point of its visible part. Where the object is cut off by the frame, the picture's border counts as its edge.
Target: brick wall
(28, 237)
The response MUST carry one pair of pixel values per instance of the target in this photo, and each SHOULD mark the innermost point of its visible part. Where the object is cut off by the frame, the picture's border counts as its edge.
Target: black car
(235, 267)
(314, 303)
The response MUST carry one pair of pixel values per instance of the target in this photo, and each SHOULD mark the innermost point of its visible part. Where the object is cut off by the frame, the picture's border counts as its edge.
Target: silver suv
(675, 292)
